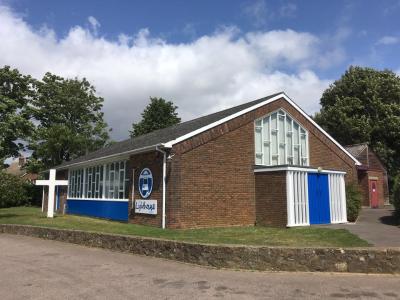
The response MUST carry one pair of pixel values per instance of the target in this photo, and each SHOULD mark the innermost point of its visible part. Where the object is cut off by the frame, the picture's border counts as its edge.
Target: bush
(395, 195)
(353, 201)
(13, 191)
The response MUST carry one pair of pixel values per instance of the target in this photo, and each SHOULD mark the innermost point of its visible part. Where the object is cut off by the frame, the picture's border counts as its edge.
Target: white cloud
(388, 40)
(288, 10)
(212, 72)
(258, 12)
(95, 25)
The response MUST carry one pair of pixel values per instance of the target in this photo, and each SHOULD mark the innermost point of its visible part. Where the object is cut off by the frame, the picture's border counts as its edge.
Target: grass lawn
(305, 236)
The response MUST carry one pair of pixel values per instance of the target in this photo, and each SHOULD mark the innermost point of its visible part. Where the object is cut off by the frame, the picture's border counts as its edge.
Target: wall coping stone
(262, 258)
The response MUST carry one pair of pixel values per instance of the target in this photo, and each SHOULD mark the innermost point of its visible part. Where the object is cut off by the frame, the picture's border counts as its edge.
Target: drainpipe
(164, 184)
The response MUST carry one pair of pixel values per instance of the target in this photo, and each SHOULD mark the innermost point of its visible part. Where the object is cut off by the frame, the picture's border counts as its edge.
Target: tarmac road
(33, 268)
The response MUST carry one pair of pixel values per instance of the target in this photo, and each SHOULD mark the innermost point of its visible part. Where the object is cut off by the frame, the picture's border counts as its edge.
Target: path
(377, 226)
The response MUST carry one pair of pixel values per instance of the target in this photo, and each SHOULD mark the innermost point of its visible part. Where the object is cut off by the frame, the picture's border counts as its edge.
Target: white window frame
(96, 170)
(303, 160)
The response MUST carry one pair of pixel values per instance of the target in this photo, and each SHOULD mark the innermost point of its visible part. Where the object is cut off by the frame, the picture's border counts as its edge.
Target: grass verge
(261, 236)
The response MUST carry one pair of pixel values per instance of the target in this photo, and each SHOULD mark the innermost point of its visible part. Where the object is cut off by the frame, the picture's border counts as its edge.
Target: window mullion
(270, 140)
(299, 146)
(285, 138)
(69, 183)
(104, 182)
(84, 183)
(307, 152)
(262, 142)
(292, 143)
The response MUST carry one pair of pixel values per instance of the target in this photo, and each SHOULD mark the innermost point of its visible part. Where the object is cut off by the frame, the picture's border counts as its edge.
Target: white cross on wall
(51, 183)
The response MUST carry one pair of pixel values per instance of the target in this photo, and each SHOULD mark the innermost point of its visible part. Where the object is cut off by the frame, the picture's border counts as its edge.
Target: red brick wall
(213, 184)
(376, 165)
(271, 203)
(212, 179)
(323, 152)
(153, 161)
(364, 186)
(375, 169)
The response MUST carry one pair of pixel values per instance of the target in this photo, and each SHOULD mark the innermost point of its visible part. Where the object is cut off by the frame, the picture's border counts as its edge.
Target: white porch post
(289, 197)
(51, 183)
(343, 198)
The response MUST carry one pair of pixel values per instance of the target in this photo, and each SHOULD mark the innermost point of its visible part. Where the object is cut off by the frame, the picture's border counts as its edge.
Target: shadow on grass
(11, 216)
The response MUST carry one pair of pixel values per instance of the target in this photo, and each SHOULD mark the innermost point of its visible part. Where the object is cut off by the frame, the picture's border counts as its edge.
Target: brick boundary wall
(352, 260)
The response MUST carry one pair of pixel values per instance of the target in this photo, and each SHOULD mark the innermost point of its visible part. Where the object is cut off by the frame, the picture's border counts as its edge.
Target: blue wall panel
(318, 198)
(113, 210)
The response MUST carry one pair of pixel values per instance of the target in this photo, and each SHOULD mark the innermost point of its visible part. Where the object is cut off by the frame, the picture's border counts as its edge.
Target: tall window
(116, 182)
(107, 181)
(280, 140)
(76, 184)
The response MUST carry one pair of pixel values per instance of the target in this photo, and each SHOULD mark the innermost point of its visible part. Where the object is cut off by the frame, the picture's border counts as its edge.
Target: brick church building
(265, 162)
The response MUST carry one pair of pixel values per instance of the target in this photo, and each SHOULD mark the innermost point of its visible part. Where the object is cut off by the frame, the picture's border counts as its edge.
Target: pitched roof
(174, 134)
(356, 149)
(164, 135)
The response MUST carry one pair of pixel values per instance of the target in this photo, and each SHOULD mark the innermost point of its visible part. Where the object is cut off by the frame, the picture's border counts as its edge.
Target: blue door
(318, 198)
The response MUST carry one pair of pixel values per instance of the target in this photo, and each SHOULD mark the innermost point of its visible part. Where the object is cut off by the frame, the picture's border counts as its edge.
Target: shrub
(396, 195)
(353, 201)
(13, 191)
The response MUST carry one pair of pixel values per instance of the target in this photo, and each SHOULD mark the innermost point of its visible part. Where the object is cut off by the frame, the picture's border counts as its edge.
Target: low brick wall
(354, 260)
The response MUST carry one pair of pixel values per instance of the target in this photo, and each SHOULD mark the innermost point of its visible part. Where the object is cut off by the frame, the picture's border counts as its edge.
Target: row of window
(279, 140)
(108, 181)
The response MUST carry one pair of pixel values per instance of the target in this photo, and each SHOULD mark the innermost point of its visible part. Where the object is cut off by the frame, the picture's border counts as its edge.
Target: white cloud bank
(216, 71)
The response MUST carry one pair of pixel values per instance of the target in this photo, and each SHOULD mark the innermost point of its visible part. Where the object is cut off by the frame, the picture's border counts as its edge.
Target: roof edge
(134, 151)
(267, 101)
(169, 144)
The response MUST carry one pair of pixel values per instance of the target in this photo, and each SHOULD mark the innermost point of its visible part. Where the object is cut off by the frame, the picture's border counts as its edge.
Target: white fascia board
(320, 129)
(111, 157)
(224, 120)
(290, 168)
(277, 97)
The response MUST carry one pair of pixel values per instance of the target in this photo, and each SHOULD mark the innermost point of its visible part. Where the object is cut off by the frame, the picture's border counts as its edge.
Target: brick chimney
(21, 161)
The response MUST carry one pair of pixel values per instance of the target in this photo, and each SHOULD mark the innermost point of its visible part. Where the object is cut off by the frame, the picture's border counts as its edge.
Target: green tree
(157, 115)
(364, 106)
(69, 121)
(16, 90)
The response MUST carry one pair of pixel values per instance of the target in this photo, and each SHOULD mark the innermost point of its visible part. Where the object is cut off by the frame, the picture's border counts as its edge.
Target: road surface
(33, 268)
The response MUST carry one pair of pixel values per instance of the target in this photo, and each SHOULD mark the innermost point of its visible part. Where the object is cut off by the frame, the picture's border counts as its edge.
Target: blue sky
(203, 55)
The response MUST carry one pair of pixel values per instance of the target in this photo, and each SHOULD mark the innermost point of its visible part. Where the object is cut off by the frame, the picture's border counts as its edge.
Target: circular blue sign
(145, 183)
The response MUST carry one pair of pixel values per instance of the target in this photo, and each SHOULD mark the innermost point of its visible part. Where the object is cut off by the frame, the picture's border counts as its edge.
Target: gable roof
(356, 149)
(364, 153)
(169, 136)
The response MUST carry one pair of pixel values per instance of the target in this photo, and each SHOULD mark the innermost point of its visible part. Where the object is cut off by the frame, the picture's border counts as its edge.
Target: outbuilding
(265, 162)
(372, 176)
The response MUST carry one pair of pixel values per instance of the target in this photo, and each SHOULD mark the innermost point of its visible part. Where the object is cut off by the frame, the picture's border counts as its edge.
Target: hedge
(353, 200)
(13, 191)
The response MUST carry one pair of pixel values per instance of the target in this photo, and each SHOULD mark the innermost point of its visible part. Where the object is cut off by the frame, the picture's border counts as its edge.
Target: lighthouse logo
(145, 183)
